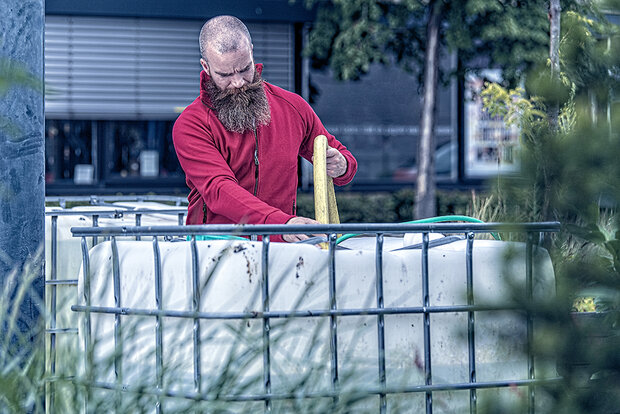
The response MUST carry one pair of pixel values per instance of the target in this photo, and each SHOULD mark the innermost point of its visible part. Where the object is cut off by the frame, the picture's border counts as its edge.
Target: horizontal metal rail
(118, 211)
(62, 282)
(315, 313)
(360, 392)
(99, 199)
(248, 229)
(62, 330)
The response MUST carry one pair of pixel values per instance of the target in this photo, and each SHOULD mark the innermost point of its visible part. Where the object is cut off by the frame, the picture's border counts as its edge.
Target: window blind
(136, 68)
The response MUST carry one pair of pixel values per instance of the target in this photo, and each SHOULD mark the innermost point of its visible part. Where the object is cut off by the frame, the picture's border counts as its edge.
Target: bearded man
(239, 141)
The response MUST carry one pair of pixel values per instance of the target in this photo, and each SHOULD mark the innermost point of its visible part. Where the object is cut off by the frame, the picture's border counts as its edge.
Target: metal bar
(357, 228)
(138, 223)
(59, 378)
(181, 218)
(266, 324)
(530, 321)
(62, 282)
(361, 392)
(333, 322)
(118, 211)
(95, 199)
(158, 327)
(295, 314)
(471, 337)
(95, 219)
(196, 308)
(61, 330)
(428, 378)
(53, 309)
(88, 354)
(380, 322)
(118, 339)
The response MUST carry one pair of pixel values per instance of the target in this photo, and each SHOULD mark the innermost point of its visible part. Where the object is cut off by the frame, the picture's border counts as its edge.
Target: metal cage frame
(533, 234)
(178, 208)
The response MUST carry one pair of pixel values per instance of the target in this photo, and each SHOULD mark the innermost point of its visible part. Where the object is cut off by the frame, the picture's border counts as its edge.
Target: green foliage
(512, 35)
(396, 207)
(569, 173)
(589, 49)
(349, 36)
(21, 351)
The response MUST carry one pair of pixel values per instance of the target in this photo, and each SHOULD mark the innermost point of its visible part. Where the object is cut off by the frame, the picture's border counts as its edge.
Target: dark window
(108, 153)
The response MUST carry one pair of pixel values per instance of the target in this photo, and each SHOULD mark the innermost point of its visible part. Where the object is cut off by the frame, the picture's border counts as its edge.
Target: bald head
(224, 34)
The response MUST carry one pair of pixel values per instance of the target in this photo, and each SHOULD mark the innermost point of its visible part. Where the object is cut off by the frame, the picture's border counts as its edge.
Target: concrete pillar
(22, 151)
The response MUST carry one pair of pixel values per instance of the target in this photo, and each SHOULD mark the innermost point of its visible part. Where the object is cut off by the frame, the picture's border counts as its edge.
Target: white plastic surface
(230, 280)
(67, 262)
(69, 256)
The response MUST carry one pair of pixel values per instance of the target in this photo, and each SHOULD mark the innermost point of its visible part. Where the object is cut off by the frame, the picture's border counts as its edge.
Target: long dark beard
(241, 109)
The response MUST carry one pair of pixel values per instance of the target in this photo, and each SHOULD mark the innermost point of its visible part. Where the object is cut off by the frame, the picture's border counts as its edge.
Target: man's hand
(336, 162)
(291, 238)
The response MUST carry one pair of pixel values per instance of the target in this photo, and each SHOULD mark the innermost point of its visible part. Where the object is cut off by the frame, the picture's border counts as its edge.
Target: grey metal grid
(533, 231)
(54, 282)
(97, 200)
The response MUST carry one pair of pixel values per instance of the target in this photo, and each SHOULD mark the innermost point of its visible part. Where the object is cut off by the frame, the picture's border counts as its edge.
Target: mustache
(256, 84)
(241, 109)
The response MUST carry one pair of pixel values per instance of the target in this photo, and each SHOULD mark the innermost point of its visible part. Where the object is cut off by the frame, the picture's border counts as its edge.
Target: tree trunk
(425, 200)
(554, 55)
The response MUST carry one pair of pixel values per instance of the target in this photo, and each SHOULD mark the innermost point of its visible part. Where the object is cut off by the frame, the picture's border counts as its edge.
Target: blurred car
(443, 164)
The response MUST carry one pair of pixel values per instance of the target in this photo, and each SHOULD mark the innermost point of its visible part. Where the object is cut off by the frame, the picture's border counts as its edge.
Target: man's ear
(204, 65)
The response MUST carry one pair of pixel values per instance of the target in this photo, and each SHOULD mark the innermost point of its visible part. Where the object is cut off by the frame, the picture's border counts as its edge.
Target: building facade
(119, 73)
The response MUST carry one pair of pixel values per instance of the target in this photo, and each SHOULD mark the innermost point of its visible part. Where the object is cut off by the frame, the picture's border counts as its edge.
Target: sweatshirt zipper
(254, 237)
(204, 205)
(256, 163)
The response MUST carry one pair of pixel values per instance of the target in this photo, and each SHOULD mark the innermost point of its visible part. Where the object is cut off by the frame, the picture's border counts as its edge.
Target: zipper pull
(256, 157)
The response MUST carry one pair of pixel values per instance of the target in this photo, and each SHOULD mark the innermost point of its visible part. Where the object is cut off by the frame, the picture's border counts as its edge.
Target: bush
(386, 207)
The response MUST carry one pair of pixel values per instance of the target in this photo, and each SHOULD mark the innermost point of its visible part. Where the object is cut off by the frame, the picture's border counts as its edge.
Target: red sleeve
(207, 170)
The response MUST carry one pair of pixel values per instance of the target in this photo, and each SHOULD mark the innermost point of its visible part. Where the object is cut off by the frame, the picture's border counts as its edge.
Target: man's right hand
(291, 238)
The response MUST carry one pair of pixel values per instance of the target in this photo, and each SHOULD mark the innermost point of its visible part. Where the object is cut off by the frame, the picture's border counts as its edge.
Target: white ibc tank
(67, 260)
(69, 254)
(231, 351)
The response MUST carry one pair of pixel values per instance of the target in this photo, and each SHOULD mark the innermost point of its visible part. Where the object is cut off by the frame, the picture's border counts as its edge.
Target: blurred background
(118, 74)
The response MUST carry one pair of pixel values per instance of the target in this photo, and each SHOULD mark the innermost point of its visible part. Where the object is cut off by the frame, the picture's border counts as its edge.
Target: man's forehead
(231, 61)
(229, 45)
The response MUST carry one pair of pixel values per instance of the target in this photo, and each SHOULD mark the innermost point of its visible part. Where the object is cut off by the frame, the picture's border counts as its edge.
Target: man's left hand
(336, 162)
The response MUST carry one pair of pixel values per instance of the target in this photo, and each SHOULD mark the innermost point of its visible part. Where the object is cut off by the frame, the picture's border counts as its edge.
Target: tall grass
(22, 380)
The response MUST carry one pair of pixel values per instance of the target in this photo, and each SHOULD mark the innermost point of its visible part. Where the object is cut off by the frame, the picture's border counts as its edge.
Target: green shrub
(387, 207)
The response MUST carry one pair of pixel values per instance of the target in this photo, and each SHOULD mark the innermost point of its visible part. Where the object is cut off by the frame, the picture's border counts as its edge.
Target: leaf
(14, 74)
(589, 233)
(613, 247)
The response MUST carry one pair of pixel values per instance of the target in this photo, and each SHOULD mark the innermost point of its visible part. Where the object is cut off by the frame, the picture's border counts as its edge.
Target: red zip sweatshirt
(248, 178)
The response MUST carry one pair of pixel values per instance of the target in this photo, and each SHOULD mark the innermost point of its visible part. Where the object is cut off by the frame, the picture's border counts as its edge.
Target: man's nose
(237, 81)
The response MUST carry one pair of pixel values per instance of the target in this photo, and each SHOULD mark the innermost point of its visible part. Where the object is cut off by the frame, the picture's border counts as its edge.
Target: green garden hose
(215, 237)
(439, 219)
